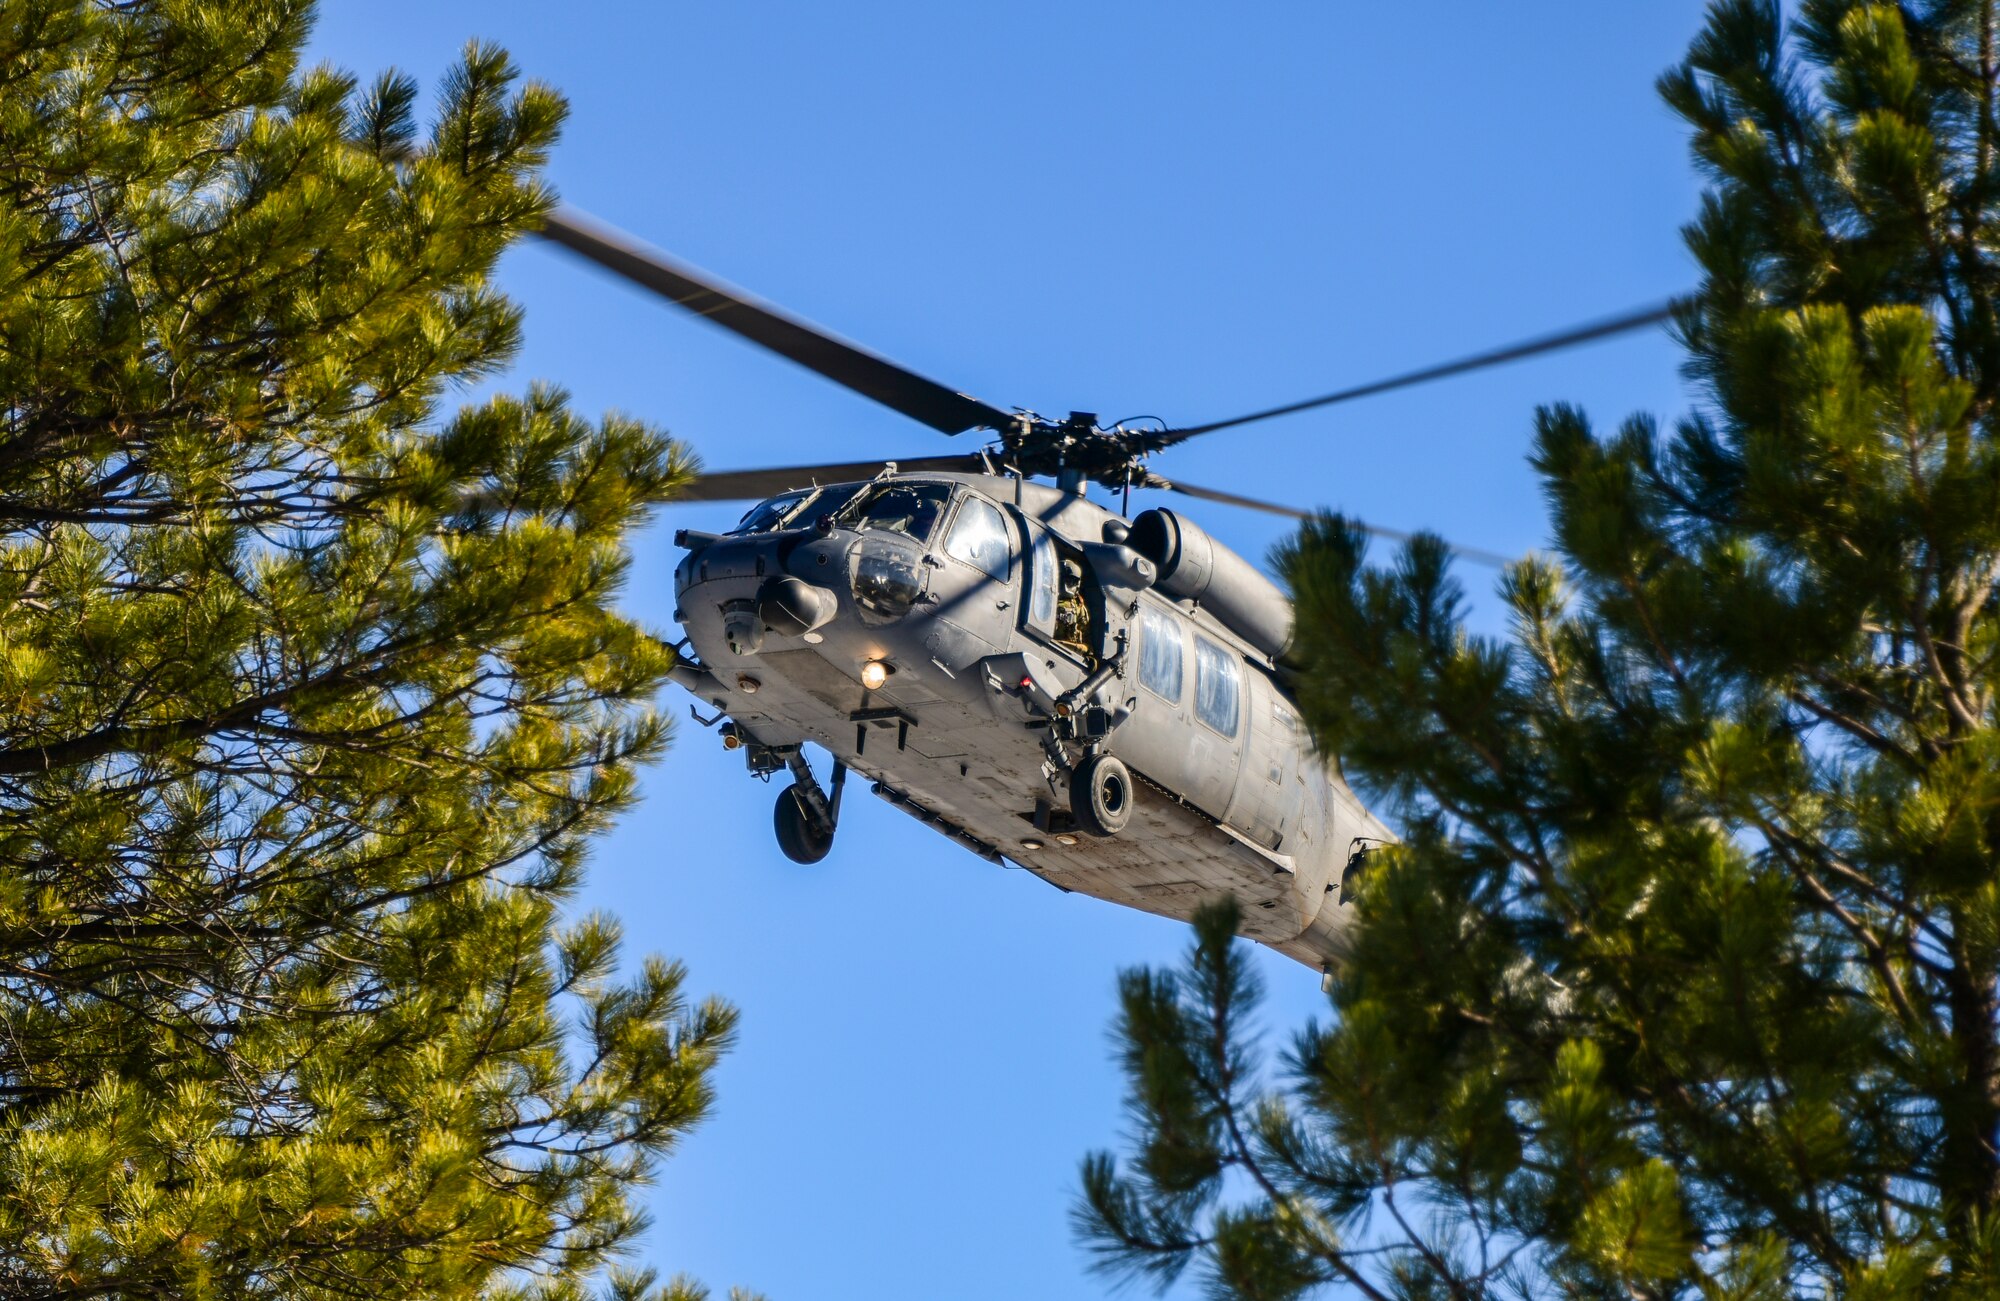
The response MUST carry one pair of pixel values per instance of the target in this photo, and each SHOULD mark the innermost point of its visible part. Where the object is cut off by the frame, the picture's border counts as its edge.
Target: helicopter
(1101, 701)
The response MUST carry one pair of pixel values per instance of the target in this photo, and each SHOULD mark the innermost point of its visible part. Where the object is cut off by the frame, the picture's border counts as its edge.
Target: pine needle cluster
(1683, 982)
(312, 694)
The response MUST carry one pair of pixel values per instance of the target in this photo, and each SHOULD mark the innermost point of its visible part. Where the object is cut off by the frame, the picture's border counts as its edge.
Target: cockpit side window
(979, 538)
(908, 508)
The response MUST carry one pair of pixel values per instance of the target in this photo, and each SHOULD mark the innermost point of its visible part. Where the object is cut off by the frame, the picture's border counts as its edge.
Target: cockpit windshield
(795, 509)
(767, 516)
(908, 508)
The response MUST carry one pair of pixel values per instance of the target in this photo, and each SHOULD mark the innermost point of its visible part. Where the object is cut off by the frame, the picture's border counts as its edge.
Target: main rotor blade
(1582, 334)
(846, 364)
(1473, 554)
(758, 484)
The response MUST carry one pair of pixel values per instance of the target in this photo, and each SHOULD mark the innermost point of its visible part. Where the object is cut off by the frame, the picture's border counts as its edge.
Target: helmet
(1072, 571)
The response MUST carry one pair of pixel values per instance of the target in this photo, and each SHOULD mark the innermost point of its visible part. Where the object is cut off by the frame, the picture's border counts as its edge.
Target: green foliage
(1683, 982)
(311, 700)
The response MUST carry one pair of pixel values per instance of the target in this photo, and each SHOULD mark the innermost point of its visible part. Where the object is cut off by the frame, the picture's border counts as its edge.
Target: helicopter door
(1078, 636)
(1154, 740)
(1214, 741)
(1268, 791)
(1040, 614)
(974, 582)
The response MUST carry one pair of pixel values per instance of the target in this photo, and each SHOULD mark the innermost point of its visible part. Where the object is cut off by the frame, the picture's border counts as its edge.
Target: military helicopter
(1099, 700)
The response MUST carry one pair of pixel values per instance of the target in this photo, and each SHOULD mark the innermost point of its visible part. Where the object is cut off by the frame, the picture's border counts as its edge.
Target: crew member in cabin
(1072, 612)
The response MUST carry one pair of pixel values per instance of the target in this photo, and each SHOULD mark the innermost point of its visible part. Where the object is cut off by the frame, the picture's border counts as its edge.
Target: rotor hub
(1077, 447)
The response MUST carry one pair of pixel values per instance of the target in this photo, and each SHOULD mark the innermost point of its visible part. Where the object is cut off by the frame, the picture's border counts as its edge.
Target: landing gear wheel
(800, 840)
(1100, 795)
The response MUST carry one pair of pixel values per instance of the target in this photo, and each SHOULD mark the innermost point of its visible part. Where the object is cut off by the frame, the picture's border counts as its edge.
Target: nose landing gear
(805, 816)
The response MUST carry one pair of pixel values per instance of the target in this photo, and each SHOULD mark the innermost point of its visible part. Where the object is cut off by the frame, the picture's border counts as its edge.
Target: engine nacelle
(1195, 567)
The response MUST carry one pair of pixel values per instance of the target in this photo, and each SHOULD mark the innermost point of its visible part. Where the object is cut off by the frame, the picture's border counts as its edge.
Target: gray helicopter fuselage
(981, 707)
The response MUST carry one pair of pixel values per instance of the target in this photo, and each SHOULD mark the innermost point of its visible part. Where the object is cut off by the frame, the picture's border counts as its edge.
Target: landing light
(1065, 840)
(874, 673)
(1031, 844)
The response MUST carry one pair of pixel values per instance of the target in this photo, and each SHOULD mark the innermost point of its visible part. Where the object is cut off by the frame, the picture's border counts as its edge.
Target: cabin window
(899, 507)
(979, 538)
(1042, 582)
(1216, 686)
(1160, 653)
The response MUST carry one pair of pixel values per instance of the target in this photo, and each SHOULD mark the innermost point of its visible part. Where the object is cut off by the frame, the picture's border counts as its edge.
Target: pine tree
(1682, 982)
(312, 694)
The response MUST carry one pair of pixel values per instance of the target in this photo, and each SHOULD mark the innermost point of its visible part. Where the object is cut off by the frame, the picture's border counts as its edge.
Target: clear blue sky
(1176, 209)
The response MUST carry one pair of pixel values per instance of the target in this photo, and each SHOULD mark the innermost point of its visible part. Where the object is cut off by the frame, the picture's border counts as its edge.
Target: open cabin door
(1042, 612)
(1038, 612)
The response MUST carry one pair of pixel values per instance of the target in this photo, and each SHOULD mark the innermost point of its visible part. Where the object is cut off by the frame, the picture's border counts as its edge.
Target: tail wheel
(800, 840)
(1100, 795)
